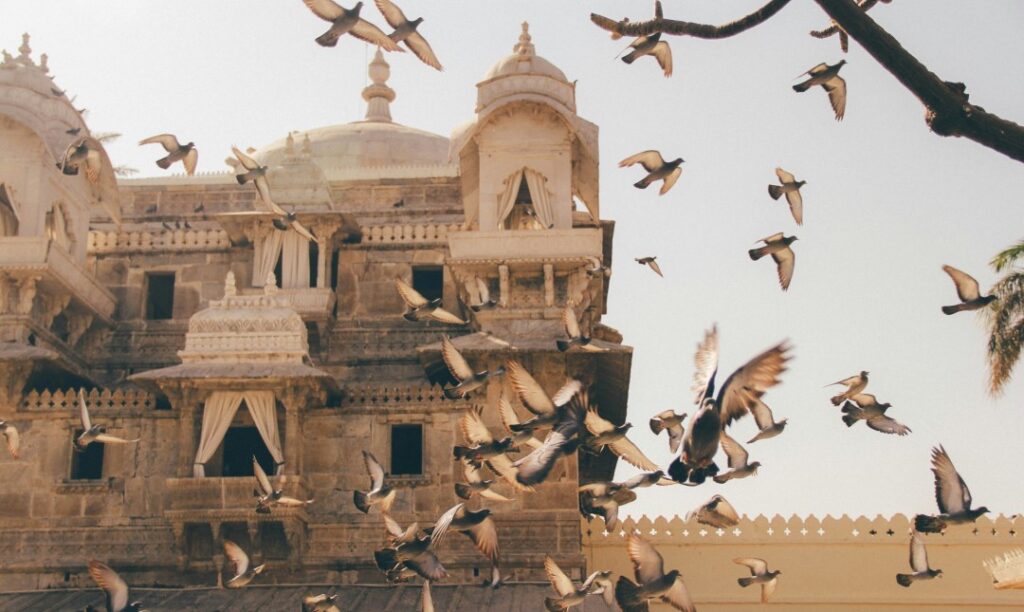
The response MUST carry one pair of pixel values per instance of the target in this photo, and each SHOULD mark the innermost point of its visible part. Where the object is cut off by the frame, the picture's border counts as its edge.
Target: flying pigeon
(605, 434)
(572, 330)
(653, 46)
(568, 594)
(344, 21)
(258, 175)
(408, 550)
(485, 447)
(114, 587)
(759, 574)
(650, 261)
(868, 409)
(777, 245)
(672, 423)
(243, 573)
(476, 485)
(952, 496)
(406, 31)
(604, 499)
(918, 563)
(479, 526)
(468, 380)
(83, 152)
(767, 426)
(716, 512)
(10, 433)
(657, 169)
(267, 496)
(791, 188)
(379, 494)
(547, 409)
(510, 418)
(596, 268)
(854, 385)
(738, 456)
(562, 440)
(187, 154)
(93, 433)
(418, 308)
(483, 293)
(320, 603)
(651, 580)
(648, 479)
(828, 77)
(968, 292)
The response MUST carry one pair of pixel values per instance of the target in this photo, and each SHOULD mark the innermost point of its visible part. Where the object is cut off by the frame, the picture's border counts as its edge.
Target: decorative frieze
(97, 400)
(113, 241)
(418, 233)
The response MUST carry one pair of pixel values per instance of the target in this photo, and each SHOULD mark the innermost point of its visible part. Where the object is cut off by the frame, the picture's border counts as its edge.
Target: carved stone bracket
(27, 288)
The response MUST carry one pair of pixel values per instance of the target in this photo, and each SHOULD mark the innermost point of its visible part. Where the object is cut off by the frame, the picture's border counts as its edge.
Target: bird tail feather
(554, 605)
(802, 86)
(643, 183)
(745, 582)
(386, 559)
(463, 490)
(929, 524)
(164, 162)
(678, 471)
(452, 393)
(630, 57)
(362, 501)
(775, 191)
(951, 309)
(757, 253)
(849, 419)
(904, 580)
(838, 399)
(328, 39)
(848, 408)
(626, 593)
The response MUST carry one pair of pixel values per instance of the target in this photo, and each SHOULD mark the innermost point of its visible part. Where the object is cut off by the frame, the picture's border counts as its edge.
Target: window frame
(146, 310)
(391, 450)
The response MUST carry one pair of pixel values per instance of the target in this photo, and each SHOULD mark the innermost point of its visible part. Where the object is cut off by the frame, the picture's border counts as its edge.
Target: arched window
(525, 202)
(8, 218)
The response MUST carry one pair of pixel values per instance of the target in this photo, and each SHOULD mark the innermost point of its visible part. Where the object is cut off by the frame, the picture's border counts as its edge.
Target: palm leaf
(1008, 257)
(1006, 330)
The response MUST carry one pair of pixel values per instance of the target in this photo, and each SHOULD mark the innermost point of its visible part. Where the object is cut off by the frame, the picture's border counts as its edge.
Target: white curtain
(218, 412)
(265, 260)
(264, 413)
(507, 199)
(540, 197)
(294, 260)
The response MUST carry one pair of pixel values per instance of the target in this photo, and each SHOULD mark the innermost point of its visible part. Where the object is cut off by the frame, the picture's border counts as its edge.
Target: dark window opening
(160, 296)
(334, 268)
(278, 271)
(88, 464)
(240, 445)
(314, 262)
(429, 281)
(273, 541)
(59, 327)
(199, 541)
(407, 449)
(523, 195)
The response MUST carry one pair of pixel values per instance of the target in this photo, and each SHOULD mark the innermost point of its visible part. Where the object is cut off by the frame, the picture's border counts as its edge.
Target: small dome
(524, 60)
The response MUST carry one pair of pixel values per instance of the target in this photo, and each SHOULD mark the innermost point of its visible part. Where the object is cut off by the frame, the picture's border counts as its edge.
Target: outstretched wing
(738, 456)
(367, 32)
(530, 393)
(888, 425)
(473, 427)
(392, 14)
(647, 563)
(706, 362)
(559, 581)
(663, 53)
(750, 382)
(261, 478)
(325, 9)
(966, 287)
(190, 161)
(631, 454)
(785, 260)
(651, 160)
(670, 180)
(374, 469)
(569, 321)
(456, 363)
(951, 492)
(443, 316)
(237, 556)
(411, 297)
(918, 554)
(421, 48)
(167, 141)
(757, 566)
(83, 411)
(784, 177)
(509, 418)
(762, 414)
(247, 162)
(836, 88)
(108, 580)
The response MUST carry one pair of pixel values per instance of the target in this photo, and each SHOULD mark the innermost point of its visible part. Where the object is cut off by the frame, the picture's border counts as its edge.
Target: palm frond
(1008, 257)
(1006, 330)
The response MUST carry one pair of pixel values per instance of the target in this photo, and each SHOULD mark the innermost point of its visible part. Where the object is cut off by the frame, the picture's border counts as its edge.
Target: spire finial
(230, 290)
(25, 49)
(378, 96)
(525, 44)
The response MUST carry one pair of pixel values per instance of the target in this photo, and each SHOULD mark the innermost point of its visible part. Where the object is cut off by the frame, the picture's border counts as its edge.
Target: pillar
(503, 285)
(187, 403)
(549, 285)
(323, 245)
(292, 433)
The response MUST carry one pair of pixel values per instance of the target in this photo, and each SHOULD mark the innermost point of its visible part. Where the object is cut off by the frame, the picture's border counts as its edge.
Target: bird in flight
(418, 308)
(406, 31)
(344, 21)
(187, 154)
(597, 583)
(267, 496)
(655, 47)
(918, 563)
(777, 245)
(759, 574)
(652, 582)
(716, 512)
(865, 407)
(244, 574)
(671, 422)
(83, 153)
(738, 461)
(651, 263)
(854, 385)
(468, 379)
(767, 426)
(10, 433)
(93, 433)
(952, 496)
(657, 169)
(828, 77)
(572, 329)
(790, 187)
(380, 494)
(968, 291)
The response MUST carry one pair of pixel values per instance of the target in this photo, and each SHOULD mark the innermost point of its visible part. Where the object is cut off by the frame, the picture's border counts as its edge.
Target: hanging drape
(265, 260)
(264, 413)
(507, 198)
(540, 197)
(218, 412)
(294, 260)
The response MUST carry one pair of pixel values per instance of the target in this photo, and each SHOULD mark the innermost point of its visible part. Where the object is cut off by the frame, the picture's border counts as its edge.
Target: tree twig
(685, 28)
(844, 39)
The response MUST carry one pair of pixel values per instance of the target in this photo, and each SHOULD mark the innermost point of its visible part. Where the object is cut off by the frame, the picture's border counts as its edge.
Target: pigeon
(485, 446)
(198, 208)
(320, 603)
(547, 409)
(918, 563)
(648, 479)
(791, 188)
(479, 285)
(408, 550)
(672, 423)
(267, 496)
(613, 437)
(759, 574)
(93, 433)
(399, 204)
(651, 580)
(854, 385)
(187, 154)
(657, 169)
(650, 261)
(476, 485)
(83, 152)
(968, 292)
(576, 337)
(828, 77)
(150, 209)
(738, 456)
(478, 526)
(406, 31)
(10, 433)
(653, 46)
(777, 246)
(952, 496)
(716, 512)
(167, 226)
(510, 418)
(243, 573)
(596, 268)
(258, 175)
(379, 494)
(344, 21)
(568, 594)
(767, 426)
(468, 380)
(115, 588)
(604, 499)
(418, 308)
(427, 603)
(868, 409)
(562, 440)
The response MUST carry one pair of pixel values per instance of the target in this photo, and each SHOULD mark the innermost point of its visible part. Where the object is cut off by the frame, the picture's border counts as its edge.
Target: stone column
(187, 401)
(321, 262)
(292, 432)
(503, 285)
(549, 285)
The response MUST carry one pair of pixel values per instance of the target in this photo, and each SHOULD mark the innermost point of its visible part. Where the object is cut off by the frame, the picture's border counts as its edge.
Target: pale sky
(886, 202)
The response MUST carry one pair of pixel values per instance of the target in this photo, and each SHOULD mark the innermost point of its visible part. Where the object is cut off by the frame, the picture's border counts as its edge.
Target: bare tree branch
(948, 113)
(685, 28)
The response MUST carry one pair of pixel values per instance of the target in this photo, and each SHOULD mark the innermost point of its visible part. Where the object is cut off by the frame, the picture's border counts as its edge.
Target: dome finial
(25, 49)
(525, 44)
(378, 96)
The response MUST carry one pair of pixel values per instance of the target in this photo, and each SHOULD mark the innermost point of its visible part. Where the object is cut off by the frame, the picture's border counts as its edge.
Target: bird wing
(443, 316)
(502, 466)
(428, 601)
(848, 382)
(737, 455)
(654, 266)
(167, 141)
(784, 177)
(670, 180)
(724, 508)
(247, 162)
(762, 414)
(367, 32)
(559, 581)
(375, 471)
(530, 393)
(84, 411)
(631, 454)
(706, 362)
(392, 527)
(509, 418)
(751, 381)
(535, 467)
(888, 425)
(93, 165)
(190, 161)
(951, 492)
(647, 563)
(411, 297)
(109, 439)
(325, 9)
(757, 566)
(427, 565)
(237, 556)
(816, 70)
(918, 554)
(483, 290)
(109, 580)
(13, 439)
(864, 400)
(566, 392)
(768, 588)
(966, 287)
(263, 189)
(595, 489)
(772, 238)
(786, 262)
(678, 597)
(650, 160)
(473, 428)
(471, 472)
(261, 478)
(421, 48)
(836, 88)
(392, 14)
(456, 363)
(663, 53)
(796, 205)
(572, 326)
(675, 437)
(485, 536)
(440, 530)
(595, 424)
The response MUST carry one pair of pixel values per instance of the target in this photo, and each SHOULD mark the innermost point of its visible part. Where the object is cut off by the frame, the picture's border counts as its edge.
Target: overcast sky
(886, 202)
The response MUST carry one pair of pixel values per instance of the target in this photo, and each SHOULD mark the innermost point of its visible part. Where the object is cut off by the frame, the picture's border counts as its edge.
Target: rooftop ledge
(575, 244)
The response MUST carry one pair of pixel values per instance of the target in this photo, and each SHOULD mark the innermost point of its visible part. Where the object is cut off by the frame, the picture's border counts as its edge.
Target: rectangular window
(407, 450)
(429, 281)
(88, 464)
(160, 296)
(240, 445)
